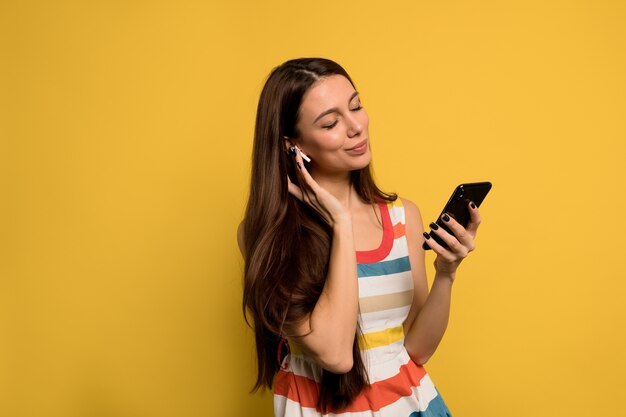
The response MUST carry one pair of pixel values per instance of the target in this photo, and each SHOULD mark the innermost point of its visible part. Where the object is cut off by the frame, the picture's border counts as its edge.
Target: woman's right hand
(323, 202)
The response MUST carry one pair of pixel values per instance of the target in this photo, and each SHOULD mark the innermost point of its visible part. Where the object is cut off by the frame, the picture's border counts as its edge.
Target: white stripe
(382, 362)
(283, 406)
(422, 396)
(403, 407)
(398, 250)
(302, 365)
(288, 408)
(383, 354)
(397, 215)
(425, 393)
(389, 368)
(385, 284)
(384, 319)
(418, 401)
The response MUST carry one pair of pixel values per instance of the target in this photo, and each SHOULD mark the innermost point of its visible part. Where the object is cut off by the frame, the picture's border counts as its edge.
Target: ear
(288, 143)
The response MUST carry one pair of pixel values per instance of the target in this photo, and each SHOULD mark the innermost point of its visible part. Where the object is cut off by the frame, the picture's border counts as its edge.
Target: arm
(430, 312)
(327, 334)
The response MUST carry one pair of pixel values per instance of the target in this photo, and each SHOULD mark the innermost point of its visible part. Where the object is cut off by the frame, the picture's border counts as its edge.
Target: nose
(355, 127)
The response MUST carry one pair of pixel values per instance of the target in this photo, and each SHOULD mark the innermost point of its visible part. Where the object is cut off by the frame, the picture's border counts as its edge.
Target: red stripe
(380, 394)
(377, 255)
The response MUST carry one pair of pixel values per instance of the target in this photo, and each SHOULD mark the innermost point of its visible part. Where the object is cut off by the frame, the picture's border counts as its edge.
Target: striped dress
(398, 386)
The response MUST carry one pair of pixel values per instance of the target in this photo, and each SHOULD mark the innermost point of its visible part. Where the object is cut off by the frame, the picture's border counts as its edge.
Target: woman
(335, 281)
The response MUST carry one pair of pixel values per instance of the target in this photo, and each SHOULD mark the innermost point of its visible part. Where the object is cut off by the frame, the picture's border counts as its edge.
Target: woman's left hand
(460, 243)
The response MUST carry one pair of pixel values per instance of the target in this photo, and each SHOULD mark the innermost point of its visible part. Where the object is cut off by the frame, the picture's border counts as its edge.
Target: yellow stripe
(381, 338)
(366, 341)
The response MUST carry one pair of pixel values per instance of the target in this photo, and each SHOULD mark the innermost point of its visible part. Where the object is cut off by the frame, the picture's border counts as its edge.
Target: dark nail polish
(292, 151)
(434, 226)
(445, 218)
(426, 236)
(472, 205)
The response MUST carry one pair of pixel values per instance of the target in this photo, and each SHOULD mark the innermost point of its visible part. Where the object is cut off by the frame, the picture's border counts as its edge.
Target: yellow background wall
(126, 136)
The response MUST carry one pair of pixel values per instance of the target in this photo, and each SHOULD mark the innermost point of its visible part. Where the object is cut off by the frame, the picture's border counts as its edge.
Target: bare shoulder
(240, 238)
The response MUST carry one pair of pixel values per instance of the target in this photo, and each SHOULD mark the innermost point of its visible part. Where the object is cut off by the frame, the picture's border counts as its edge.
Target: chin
(368, 158)
(362, 162)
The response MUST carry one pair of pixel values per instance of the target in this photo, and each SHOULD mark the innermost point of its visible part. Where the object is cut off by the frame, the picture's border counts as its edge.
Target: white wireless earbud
(306, 158)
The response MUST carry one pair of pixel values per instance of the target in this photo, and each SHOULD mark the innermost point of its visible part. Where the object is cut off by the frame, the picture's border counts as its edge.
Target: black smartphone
(457, 206)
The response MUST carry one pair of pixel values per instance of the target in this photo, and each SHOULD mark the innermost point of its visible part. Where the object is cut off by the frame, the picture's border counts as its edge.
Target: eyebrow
(334, 109)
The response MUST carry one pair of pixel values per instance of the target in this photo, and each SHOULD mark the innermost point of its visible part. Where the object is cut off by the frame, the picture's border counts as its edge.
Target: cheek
(327, 141)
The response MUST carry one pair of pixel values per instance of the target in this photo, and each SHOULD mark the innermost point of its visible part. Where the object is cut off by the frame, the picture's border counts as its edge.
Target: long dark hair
(282, 281)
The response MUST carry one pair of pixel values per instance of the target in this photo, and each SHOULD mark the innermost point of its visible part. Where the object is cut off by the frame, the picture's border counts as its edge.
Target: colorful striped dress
(398, 386)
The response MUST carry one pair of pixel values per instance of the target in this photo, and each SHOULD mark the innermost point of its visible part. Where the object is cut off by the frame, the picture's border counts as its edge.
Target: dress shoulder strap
(396, 212)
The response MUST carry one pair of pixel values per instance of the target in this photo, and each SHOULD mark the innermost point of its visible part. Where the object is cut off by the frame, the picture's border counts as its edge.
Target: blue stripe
(436, 408)
(384, 267)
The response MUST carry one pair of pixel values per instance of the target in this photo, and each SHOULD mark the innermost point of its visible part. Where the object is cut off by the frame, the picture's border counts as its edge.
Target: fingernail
(472, 205)
(426, 236)
(434, 226)
(292, 150)
(445, 218)
(299, 165)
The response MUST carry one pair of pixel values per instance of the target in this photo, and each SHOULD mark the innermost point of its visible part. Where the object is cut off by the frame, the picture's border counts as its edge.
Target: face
(333, 127)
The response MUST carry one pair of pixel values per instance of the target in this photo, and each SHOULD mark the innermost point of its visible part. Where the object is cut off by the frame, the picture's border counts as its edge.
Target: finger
(462, 244)
(475, 219)
(311, 198)
(462, 234)
(305, 172)
(438, 249)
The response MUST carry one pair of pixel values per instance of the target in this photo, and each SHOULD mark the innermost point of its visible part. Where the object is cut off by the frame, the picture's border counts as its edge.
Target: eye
(357, 106)
(330, 126)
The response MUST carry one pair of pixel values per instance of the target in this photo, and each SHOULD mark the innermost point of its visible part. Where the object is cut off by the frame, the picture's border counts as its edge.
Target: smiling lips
(359, 149)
